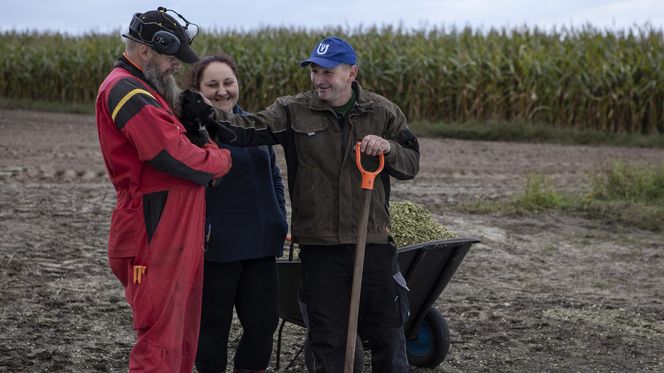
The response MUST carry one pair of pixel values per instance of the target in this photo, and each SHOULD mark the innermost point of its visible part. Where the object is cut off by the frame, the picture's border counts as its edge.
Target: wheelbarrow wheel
(431, 343)
(358, 363)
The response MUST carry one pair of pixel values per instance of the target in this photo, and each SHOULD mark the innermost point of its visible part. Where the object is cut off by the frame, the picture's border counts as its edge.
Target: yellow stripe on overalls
(126, 98)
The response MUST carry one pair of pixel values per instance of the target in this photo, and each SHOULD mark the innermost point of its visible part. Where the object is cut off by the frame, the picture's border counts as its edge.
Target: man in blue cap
(318, 130)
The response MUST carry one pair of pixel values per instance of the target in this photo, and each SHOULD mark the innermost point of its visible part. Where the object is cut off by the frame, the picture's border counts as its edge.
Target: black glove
(220, 132)
(193, 114)
(194, 108)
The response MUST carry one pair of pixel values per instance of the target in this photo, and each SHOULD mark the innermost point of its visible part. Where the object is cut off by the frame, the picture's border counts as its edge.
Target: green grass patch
(629, 195)
(50, 106)
(519, 131)
(632, 214)
(629, 182)
(538, 196)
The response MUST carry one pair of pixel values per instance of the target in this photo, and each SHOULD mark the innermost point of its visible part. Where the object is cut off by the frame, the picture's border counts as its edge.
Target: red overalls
(155, 246)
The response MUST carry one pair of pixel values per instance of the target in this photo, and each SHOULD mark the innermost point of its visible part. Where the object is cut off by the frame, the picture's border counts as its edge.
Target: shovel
(367, 187)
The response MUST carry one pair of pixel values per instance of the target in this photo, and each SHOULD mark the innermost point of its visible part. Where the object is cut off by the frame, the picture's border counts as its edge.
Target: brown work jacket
(323, 179)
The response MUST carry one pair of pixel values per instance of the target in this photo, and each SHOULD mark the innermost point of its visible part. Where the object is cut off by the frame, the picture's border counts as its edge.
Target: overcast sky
(80, 16)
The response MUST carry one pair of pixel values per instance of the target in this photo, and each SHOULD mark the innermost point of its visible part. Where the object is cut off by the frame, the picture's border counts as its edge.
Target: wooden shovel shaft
(357, 284)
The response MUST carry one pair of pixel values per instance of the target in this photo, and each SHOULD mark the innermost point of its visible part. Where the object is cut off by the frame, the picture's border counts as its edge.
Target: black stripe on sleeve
(167, 163)
(127, 97)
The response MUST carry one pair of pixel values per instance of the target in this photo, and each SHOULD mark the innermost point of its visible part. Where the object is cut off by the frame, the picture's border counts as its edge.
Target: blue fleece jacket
(246, 212)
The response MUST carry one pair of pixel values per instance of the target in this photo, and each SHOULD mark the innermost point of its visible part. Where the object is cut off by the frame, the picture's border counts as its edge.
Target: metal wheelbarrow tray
(427, 267)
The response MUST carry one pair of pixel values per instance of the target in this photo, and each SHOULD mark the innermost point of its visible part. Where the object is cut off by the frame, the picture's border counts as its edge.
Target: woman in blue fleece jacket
(245, 230)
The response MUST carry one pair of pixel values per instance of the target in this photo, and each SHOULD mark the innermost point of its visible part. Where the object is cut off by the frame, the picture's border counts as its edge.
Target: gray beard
(165, 84)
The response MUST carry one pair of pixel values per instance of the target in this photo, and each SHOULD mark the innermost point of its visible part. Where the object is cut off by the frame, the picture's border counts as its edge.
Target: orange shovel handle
(368, 176)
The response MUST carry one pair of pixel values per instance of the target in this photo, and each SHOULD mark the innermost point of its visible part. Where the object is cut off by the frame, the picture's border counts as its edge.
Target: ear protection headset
(163, 41)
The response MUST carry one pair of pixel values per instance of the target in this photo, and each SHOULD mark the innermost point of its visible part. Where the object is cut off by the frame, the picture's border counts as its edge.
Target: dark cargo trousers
(326, 288)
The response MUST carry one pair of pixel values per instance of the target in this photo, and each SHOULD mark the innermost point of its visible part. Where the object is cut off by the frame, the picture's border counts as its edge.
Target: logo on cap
(322, 48)
(331, 52)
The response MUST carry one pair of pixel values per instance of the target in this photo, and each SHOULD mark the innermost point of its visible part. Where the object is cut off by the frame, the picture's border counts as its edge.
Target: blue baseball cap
(330, 52)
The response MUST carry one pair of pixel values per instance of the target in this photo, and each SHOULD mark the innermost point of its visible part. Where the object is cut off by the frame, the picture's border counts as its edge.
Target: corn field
(583, 78)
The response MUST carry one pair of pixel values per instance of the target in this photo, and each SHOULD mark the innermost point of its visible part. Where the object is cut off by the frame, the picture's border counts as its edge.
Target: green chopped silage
(412, 224)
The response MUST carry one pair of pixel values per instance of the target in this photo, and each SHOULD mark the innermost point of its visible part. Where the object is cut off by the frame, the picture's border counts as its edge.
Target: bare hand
(373, 145)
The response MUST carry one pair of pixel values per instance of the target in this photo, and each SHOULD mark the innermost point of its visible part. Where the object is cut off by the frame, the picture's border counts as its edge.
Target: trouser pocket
(126, 249)
(402, 302)
(124, 241)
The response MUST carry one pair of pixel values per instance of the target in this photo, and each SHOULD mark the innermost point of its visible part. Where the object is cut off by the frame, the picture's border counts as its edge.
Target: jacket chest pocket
(314, 138)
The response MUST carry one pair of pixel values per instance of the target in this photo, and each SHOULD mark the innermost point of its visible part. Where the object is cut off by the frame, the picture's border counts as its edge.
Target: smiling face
(219, 84)
(334, 85)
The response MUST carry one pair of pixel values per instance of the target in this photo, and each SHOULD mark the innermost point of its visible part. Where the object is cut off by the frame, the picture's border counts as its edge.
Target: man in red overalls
(155, 246)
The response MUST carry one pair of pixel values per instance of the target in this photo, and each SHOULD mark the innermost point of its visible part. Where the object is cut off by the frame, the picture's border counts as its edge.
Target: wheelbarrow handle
(368, 176)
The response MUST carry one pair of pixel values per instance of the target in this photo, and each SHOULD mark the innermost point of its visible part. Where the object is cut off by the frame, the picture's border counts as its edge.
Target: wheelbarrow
(427, 267)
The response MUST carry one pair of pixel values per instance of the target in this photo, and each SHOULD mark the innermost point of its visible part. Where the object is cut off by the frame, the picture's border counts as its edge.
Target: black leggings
(251, 286)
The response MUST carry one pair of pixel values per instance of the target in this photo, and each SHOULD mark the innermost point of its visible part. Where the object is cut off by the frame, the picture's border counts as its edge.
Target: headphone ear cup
(136, 25)
(165, 42)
